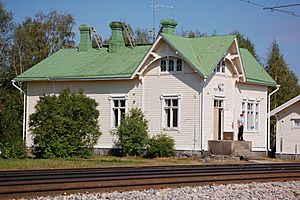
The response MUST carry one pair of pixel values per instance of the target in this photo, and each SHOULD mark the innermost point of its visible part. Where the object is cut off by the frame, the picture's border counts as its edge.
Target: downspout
(202, 115)
(24, 109)
(269, 128)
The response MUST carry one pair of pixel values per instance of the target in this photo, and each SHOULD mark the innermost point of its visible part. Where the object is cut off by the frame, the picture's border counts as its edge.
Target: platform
(229, 147)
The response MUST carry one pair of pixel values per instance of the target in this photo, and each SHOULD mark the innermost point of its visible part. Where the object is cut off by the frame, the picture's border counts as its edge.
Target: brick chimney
(117, 41)
(85, 43)
(168, 26)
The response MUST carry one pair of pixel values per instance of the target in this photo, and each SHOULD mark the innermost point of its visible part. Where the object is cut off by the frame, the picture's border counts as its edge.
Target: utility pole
(155, 7)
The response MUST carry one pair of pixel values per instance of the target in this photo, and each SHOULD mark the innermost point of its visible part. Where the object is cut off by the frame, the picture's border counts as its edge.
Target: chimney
(168, 26)
(85, 43)
(117, 41)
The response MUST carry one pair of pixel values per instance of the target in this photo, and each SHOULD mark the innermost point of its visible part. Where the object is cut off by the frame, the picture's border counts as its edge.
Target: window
(220, 67)
(174, 65)
(218, 103)
(163, 65)
(296, 123)
(179, 65)
(250, 109)
(170, 112)
(118, 109)
(171, 65)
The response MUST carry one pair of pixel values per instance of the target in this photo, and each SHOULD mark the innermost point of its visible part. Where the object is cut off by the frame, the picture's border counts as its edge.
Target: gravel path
(274, 190)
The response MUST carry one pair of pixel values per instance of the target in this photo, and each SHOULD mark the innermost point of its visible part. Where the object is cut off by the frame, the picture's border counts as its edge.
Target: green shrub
(13, 149)
(65, 125)
(11, 116)
(161, 145)
(133, 133)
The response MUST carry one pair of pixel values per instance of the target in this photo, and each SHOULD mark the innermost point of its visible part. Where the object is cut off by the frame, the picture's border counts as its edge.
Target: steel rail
(16, 184)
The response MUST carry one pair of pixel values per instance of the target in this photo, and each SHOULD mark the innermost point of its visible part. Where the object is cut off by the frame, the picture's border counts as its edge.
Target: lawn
(94, 162)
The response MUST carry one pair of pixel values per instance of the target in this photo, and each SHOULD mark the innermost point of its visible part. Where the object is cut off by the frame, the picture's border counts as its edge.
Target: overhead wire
(275, 8)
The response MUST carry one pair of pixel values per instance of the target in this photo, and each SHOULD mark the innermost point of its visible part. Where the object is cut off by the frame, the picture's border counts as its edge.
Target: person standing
(241, 122)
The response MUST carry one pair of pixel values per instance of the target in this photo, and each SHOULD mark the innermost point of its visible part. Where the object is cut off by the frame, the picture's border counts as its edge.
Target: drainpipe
(269, 129)
(202, 115)
(24, 109)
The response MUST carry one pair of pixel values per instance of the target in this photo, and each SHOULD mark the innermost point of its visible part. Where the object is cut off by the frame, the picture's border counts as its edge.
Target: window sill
(171, 129)
(254, 131)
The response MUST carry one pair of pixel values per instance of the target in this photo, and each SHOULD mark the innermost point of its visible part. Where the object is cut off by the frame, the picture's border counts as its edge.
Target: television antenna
(155, 7)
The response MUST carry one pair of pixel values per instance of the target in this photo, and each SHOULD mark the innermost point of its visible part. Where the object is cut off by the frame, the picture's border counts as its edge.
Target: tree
(245, 42)
(141, 36)
(6, 27)
(133, 133)
(36, 39)
(280, 72)
(23, 46)
(65, 125)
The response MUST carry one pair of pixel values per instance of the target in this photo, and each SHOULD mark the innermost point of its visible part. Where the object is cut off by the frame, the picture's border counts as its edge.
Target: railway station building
(193, 89)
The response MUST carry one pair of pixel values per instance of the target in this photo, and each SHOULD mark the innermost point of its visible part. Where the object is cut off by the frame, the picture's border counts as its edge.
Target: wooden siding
(284, 131)
(98, 90)
(187, 84)
(257, 92)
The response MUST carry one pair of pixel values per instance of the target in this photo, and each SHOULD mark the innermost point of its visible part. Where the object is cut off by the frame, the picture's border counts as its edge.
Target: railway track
(31, 183)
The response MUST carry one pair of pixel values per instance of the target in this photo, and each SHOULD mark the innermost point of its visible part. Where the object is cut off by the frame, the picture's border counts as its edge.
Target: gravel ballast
(273, 190)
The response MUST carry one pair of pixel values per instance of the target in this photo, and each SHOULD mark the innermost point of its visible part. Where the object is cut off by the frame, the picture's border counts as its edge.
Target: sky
(222, 16)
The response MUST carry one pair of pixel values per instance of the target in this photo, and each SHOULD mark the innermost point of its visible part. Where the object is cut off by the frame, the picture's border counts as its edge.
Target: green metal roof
(254, 72)
(71, 64)
(203, 53)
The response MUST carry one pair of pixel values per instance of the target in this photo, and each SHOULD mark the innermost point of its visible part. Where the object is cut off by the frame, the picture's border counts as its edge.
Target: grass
(94, 162)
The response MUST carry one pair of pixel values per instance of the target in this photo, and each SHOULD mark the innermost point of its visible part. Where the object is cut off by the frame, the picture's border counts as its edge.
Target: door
(218, 119)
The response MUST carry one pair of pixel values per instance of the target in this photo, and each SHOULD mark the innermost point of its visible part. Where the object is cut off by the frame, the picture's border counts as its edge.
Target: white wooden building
(288, 127)
(193, 89)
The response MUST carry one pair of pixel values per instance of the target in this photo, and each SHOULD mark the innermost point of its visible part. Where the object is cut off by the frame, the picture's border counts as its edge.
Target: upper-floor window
(171, 65)
(163, 65)
(296, 123)
(220, 67)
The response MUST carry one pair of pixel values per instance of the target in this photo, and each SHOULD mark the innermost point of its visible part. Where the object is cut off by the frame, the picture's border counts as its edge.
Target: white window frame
(294, 125)
(167, 61)
(112, 98)
(221, 67)
(163, 99)
(256, 114)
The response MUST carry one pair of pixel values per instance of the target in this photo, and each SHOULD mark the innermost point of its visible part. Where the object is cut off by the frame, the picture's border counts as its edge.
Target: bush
(161, 145)
(133, 133)
(11, 116)
(65, 125)
(13, 149)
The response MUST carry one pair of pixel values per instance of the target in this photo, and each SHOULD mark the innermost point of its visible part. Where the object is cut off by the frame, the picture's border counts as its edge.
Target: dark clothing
(240, 133)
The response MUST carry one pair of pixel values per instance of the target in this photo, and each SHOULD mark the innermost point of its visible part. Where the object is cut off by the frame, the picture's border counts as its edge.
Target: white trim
(259, 149)
(170, 96)
(294, 124)
(240, 59)
(111, 98)
(145, 57)
(285, 105)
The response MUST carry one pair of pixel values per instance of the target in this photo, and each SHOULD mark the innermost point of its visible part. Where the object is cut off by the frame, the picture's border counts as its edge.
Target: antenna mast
(155, 7)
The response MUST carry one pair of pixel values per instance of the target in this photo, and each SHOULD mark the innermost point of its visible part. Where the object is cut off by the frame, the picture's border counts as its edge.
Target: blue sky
(223, 16)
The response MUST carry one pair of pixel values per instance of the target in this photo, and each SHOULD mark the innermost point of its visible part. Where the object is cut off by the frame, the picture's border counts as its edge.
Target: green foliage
(65, 125)
(161, 145)
(280, 72)
(288, 81)
(133, 132)
(14, 149)
(37, 38)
